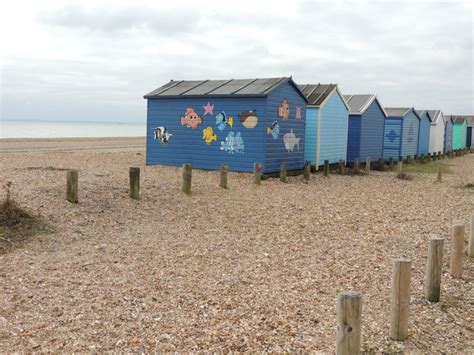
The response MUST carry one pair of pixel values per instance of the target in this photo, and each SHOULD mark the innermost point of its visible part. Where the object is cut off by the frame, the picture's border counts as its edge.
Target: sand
(248, 268)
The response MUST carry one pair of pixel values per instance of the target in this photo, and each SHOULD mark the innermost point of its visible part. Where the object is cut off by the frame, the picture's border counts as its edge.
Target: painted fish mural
(233, 143)
(284, 110)
(291, 141)
(249, 118)
(222, 121)
(161, 134)
(208, 135)
(298, 113)
(191, 119)
(274, 130)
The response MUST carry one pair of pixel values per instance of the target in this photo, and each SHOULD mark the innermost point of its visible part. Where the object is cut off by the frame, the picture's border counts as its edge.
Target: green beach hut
(459, 132)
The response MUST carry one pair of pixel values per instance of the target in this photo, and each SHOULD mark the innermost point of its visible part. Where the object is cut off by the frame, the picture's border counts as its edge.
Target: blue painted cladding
(392, 138)
(311, 134)
(372, 141)
(424, 135)
(411, 127)
(333, 131)
(275, 150)
(448, 136)
(353, 138)
(186, 145)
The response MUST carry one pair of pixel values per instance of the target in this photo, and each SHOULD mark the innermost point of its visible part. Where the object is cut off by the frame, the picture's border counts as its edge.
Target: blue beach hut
(326, 124)
(401, 133)
(424, 132)
(236, 122)
(366, 127)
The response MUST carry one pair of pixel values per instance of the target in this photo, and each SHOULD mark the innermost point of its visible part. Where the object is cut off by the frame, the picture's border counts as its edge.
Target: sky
(94, 60)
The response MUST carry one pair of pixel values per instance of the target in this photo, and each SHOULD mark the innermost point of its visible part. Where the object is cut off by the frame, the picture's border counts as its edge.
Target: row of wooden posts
(134, 173)
(349, 304)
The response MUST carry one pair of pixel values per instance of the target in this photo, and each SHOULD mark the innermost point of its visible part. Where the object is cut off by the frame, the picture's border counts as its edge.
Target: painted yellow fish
(208, 135)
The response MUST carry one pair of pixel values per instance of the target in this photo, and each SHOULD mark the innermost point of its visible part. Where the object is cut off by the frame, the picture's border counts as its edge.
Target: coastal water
(38, 129)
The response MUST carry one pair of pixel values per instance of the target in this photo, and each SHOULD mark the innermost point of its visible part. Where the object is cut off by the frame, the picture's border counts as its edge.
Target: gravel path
(248, 268)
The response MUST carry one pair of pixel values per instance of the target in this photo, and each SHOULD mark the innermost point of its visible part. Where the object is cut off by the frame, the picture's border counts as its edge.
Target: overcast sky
(94, 60)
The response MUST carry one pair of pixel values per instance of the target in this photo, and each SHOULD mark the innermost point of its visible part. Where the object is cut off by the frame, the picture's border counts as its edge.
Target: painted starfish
(208, 109)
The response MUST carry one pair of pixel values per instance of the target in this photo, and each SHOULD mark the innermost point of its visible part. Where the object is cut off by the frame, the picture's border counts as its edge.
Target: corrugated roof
(233, 87)
(316, 94)
(358, 103)
(397, 111)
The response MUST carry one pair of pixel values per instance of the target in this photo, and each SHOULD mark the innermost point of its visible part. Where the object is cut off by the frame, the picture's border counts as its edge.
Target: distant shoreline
(71, 144)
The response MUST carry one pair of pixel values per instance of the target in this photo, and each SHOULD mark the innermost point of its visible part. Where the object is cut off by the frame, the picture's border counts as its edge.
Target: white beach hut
(438, 122)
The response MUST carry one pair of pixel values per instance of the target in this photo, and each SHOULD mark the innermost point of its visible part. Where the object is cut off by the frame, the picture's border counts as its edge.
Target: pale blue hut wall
(448, 135)
(275, 150)
(424, 134)
(353, 138)
(371, 140)
(311, 139)
(392, 138)
(411, 126)
(333, 130)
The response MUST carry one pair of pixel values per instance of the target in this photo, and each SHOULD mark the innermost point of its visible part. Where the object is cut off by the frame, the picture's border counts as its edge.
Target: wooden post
(257, 173)
(390, 163)
(382, 164)
(400, 299)
(72, 183)
(433, 269)
(348, 317)
(283, 167)
(134, 175)
(326, 168)
(223, 180)
(416, 158)
(367, 165)
(439, 173)
(400, 167)
(341, 167)
(307, 170)
(457, 244)
(440, 155)
(187, 177)
(408, 159)
(356, 166)
(470, 248)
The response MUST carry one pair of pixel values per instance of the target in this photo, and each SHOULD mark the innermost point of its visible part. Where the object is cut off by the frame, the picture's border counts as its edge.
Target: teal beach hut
(326, 124)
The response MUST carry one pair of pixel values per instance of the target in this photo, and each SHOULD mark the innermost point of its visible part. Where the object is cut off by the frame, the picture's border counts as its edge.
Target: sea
(65, 129)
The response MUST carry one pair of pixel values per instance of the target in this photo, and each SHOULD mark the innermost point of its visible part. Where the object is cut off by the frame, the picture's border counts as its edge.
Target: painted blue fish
(233, 143)
(274, 130)
(222, 121)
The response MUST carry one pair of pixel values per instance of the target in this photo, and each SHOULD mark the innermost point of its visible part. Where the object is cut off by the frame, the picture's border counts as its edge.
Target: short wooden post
(257, 173)
(187, 177)
(223, 180)
(470, 248)
(134, 175)
(348, 317)
(356, 166)
(72, 178)
(439, 173)
(457, 244)
(416, 158)
(382, 164)
(326, 168)
(341, 167)
(283, 167)
(400, 167)
(440, 155)
(390, 163)
(307, 170)
(433, 269)
(367, 164)
(400, 299)
(408, 159)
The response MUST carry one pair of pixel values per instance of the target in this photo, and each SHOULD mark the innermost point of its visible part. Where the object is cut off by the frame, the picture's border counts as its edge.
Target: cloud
(112, 20)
